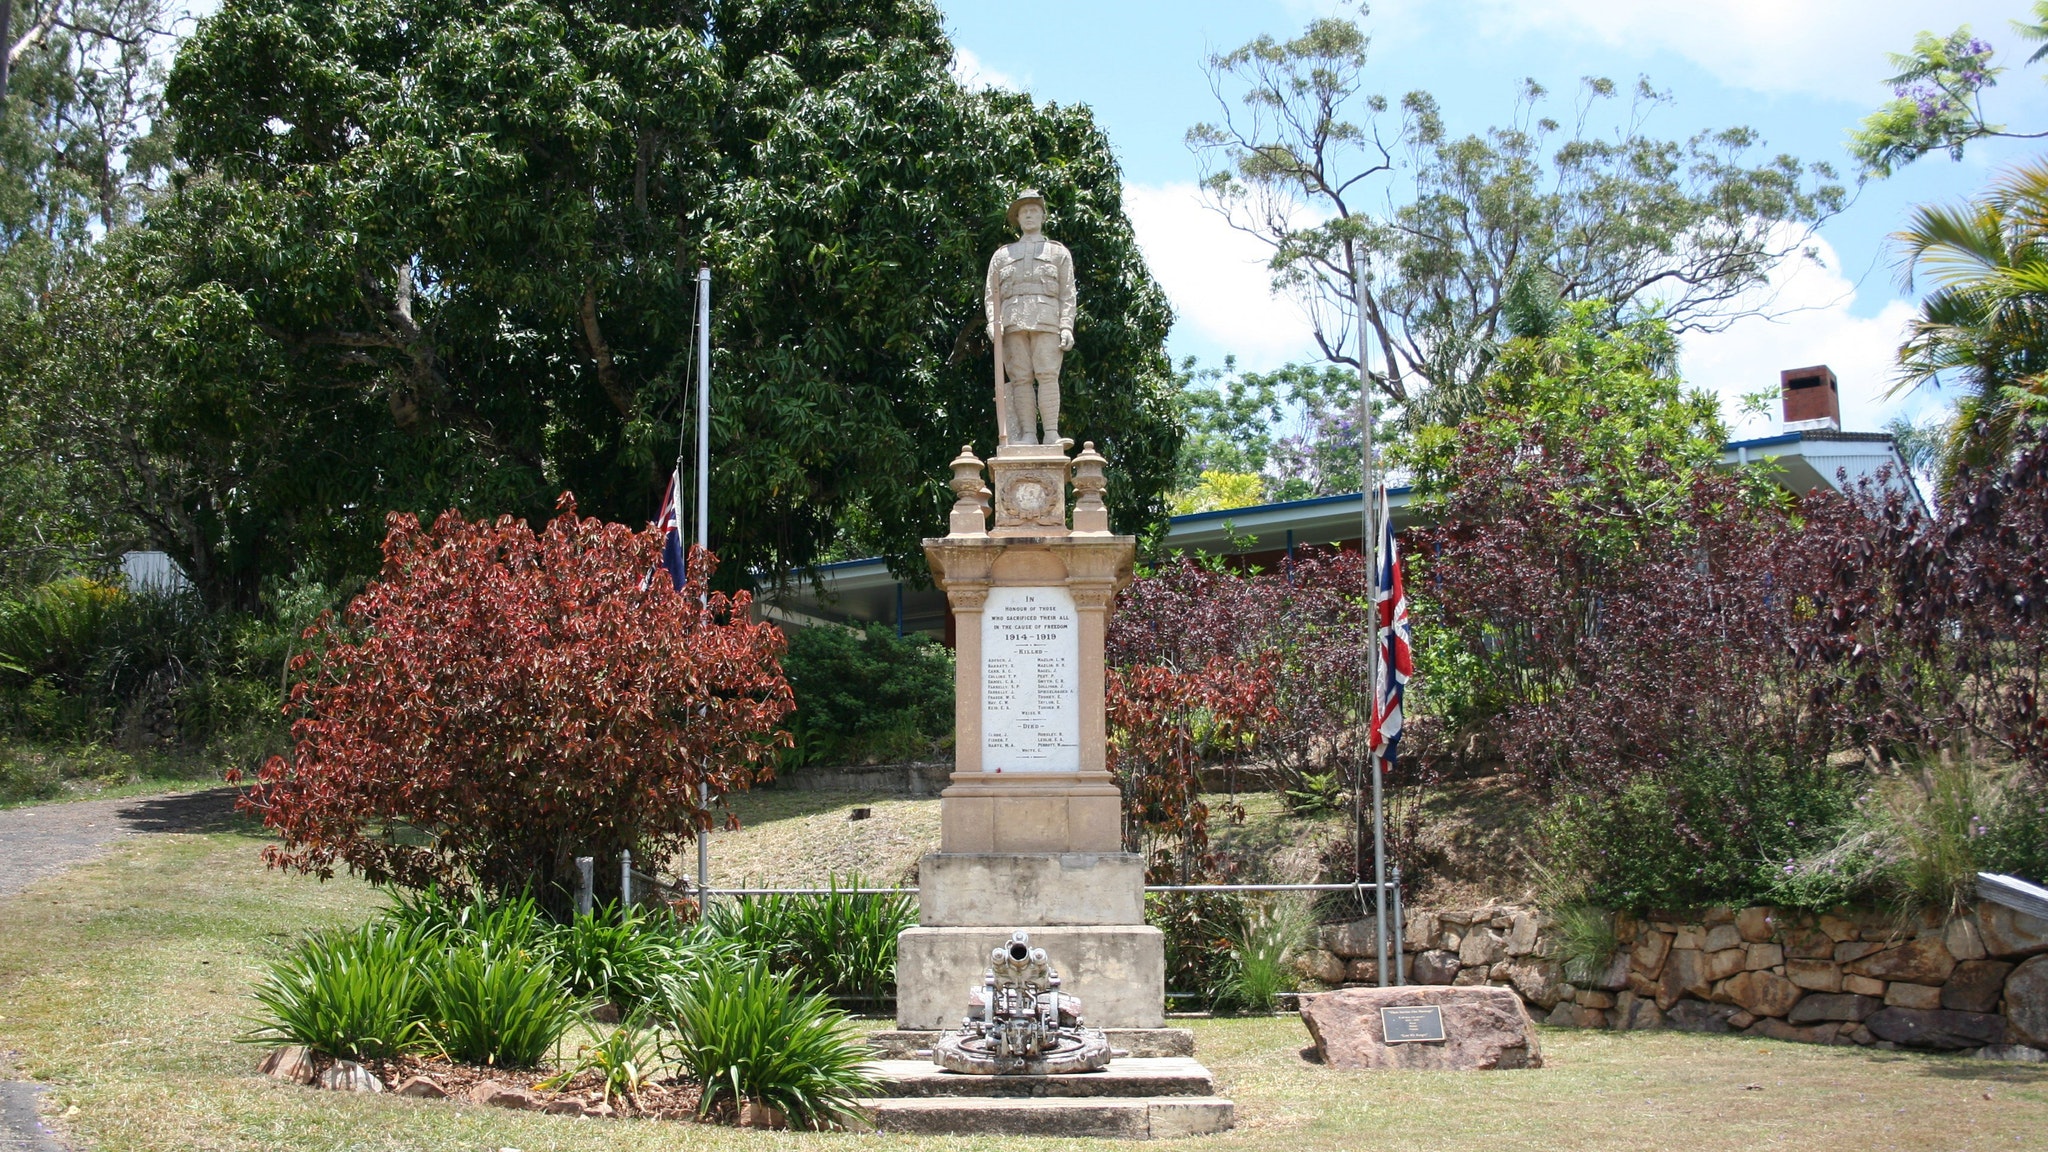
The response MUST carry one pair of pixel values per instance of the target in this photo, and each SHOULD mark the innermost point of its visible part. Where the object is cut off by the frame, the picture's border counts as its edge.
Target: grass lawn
(123, 984)
(794, 838)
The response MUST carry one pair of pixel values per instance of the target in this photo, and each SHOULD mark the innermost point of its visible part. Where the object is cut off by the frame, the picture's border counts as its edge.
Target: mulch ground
(663, 1100)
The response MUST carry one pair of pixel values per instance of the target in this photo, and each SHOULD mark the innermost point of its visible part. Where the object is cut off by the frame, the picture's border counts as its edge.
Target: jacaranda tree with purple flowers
(1937, 102)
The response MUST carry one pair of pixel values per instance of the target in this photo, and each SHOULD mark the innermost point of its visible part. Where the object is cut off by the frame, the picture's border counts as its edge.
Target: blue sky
(1801, 72)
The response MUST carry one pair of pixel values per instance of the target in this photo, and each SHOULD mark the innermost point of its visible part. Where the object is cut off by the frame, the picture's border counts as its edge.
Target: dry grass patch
(802, 839)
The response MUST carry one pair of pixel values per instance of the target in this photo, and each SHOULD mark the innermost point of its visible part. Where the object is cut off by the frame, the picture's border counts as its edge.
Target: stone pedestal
(1032, 825)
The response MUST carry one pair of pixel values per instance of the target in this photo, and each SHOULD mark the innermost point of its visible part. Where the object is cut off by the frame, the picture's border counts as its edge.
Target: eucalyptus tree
(82, 146)
(1390, 214)
(427, 253)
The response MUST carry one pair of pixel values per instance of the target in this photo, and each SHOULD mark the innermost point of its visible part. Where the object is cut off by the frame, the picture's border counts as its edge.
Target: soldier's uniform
(1031, 288)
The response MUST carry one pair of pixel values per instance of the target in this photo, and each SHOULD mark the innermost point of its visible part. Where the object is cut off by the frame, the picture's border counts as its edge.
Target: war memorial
(1031, 995)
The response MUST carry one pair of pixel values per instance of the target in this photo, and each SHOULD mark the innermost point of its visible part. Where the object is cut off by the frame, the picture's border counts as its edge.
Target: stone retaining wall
(1975, 982)
(917, 778)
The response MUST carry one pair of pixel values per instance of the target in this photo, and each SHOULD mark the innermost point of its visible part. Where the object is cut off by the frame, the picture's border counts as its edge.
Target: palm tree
(1985, 327)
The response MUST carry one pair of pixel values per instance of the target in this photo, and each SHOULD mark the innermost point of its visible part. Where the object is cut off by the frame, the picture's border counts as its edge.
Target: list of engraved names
(1030, 687)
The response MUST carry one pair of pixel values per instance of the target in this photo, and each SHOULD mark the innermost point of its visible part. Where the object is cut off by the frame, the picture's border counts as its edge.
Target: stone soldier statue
(1030, 302)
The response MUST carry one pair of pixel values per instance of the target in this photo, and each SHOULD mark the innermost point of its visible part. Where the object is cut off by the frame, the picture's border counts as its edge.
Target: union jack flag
(1396, 656)
(670, 524)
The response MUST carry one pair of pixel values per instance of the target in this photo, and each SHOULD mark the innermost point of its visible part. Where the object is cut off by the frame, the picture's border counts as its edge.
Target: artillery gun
(1020, 1023)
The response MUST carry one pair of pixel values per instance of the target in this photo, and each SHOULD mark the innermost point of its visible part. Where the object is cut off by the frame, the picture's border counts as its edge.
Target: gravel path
(20, 1129)
(43, 840)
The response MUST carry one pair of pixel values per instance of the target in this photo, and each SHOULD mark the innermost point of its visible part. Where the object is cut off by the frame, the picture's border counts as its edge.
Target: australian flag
(1396, 656)
(670, 524)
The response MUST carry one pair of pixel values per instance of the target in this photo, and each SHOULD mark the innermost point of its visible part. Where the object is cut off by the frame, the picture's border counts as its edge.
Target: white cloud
(1216, 278)
(1815, 326)
(969, 69)
(1830, 48)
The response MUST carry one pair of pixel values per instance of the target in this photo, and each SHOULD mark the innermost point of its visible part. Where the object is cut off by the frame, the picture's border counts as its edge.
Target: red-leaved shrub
(1217, 668)
(1938, 624)
(502, 701)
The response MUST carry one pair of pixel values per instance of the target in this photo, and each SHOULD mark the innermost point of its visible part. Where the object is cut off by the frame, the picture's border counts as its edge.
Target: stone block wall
(1976, 982)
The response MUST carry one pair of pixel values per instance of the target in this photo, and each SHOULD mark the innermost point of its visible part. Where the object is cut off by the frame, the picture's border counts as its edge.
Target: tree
(502, 701)
(83, 144)
(1938, 623)
(1301, 158)
(1985, 326)
(1295, 431)
(1567, 386)
(1628, 625)
(82, 133)
(1938, 99)
(429, 255)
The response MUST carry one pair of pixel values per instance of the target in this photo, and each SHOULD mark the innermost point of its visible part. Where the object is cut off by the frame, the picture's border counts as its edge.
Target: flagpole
(704, 535)
(1371, 543)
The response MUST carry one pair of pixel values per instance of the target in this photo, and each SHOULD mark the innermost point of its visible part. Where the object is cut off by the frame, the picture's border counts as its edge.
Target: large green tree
(430, 254)
(1421, 230)
(82, 146)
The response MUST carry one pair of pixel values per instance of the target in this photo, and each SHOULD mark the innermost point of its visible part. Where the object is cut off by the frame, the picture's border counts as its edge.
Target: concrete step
(1138, 1118)
(1125, 1077)
(906, 1044)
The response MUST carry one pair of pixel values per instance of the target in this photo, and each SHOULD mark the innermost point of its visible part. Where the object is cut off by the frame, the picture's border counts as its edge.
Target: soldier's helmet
(1028, 196)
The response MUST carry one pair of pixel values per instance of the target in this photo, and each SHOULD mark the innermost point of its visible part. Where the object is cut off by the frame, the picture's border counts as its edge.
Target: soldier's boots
(1023, 412)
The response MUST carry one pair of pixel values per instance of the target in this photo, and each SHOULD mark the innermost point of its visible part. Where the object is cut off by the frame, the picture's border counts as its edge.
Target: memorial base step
(912, 1044)
(1134, 1098)
(1158, 1118)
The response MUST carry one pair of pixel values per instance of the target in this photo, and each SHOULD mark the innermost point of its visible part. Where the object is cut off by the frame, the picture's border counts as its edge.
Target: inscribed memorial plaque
(1412, 1025)
(1030, 681)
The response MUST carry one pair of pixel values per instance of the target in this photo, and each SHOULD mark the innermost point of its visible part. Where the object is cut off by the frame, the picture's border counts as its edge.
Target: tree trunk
(6, 46)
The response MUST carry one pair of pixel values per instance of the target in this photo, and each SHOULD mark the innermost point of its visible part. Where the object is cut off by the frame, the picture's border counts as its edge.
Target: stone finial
(970, 508)
(1091, 515)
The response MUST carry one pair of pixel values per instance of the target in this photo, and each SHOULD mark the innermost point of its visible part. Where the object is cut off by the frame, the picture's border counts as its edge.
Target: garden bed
(521, 1090)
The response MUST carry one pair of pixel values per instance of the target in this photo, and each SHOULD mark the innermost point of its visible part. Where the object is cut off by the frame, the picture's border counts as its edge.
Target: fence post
(625, 878)
(584, 879)
(1400, 932)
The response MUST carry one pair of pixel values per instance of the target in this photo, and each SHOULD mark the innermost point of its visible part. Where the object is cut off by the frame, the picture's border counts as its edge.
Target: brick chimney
(1813, 400)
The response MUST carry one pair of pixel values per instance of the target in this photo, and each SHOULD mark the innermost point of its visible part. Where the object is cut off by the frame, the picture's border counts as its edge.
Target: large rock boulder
(1539, 981)
(1836, 1006)
(349, 1076)
(1651, 949)
(1964, 939)
(2009, 934)
(1814, 975)
(1975, 985)
(1757, 925)
(1684, 975)
(1420, 928)
(1522, 934)
(1357, 940)
(1483, 1028)
(1481, 948)
(1809, 944)
(1322, 965)
(1721, 965)
(1700, 1016)
(1764, 993)
(1922, 960)
(1938, 1028)
(294, 1062)
(2026, 1002)
(1436, 967)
